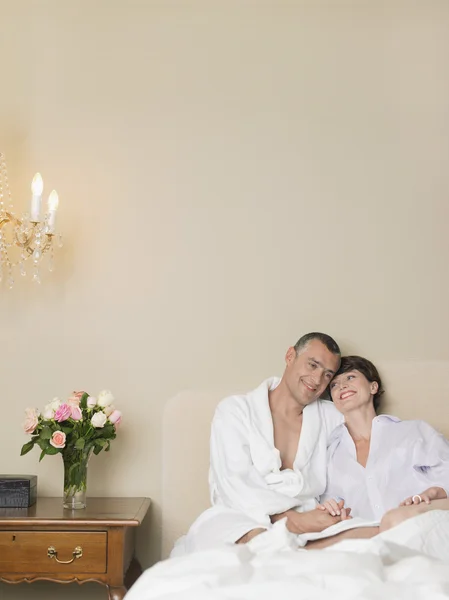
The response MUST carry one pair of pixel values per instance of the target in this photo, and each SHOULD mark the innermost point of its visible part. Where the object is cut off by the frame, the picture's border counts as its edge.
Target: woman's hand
(311, 521)
(433, 493)
(335, 508)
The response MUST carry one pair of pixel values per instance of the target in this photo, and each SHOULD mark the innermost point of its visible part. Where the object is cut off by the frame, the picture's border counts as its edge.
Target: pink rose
(77, 415)
(58, 439)
(31, 420)
(63, 413)
(78, 395)
(115, 418)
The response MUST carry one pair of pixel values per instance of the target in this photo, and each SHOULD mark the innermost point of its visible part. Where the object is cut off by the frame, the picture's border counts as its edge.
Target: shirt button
(376, 506)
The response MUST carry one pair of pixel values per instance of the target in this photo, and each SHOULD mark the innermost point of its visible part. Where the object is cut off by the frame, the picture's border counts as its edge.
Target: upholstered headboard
(414, 390)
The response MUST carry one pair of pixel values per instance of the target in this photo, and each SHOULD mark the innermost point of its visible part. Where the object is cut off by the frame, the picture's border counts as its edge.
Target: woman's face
(352, 390)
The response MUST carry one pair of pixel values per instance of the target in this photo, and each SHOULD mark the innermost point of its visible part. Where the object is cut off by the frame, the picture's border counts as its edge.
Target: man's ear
(374, 387)
(290, 356)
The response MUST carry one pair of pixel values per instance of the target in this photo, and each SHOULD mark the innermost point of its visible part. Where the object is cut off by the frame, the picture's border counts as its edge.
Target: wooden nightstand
(48, 542)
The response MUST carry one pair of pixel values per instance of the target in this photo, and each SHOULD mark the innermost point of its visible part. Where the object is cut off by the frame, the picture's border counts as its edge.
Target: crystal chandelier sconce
(26, 240)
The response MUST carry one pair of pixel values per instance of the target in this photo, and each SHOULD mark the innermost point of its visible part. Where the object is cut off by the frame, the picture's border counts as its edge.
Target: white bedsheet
(409, 562)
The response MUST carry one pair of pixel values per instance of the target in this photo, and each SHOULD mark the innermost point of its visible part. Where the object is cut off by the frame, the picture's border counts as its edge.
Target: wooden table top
(128, 512)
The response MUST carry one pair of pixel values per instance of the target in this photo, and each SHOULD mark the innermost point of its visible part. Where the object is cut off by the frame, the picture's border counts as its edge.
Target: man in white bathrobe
(268, 452)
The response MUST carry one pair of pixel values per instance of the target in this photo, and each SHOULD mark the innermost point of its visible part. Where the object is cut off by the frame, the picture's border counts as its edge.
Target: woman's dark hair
(366, 367)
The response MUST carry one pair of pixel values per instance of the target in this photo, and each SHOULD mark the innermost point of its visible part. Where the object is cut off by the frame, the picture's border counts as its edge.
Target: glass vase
(75, 478)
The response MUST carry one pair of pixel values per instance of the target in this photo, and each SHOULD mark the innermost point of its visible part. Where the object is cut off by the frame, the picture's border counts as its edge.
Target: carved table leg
(117, 593)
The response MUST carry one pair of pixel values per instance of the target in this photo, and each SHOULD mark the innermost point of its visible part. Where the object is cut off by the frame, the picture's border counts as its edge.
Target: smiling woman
(377, 462)
(360, 372)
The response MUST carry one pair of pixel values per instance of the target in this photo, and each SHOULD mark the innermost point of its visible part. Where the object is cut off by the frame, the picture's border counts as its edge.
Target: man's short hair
(366, 368)
(325, 339)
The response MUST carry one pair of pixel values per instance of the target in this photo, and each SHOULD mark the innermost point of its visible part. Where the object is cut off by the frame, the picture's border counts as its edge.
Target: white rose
(105, 398)
(48, 413)
(108, 410)
(99, 419)
(91, 401)
(54, 404)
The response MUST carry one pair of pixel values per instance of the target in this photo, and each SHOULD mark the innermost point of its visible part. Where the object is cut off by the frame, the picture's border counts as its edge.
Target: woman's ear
(374, 387)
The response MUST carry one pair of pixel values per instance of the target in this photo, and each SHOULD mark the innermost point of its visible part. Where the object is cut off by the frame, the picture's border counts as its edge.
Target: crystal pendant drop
(36, 276)
(36, 256)
(22, 269)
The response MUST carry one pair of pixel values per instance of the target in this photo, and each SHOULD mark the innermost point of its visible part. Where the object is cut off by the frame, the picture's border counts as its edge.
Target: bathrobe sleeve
(431, 457)
(238, 483)
(331, 418)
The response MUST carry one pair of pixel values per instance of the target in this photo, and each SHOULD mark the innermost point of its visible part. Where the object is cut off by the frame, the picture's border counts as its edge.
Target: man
(268, 452)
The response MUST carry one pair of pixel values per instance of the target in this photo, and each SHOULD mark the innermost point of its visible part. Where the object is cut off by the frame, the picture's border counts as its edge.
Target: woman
(378, 462)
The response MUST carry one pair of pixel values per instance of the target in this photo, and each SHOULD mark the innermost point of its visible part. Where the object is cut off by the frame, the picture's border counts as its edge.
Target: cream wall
(231, 175)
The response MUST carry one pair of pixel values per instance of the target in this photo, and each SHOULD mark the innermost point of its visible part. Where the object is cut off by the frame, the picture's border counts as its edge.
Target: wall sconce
(30, 237)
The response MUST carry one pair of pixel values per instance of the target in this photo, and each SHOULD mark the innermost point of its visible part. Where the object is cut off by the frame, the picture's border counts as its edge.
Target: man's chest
(286, 440)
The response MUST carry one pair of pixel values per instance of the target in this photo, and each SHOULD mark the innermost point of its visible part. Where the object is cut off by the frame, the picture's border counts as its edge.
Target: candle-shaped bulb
(37, 185)
(53, 200)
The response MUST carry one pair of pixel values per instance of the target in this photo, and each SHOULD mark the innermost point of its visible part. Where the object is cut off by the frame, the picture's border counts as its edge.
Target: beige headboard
(415, 390)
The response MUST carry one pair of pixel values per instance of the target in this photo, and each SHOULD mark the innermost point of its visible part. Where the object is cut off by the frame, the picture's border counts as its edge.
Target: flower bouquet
(74, 428)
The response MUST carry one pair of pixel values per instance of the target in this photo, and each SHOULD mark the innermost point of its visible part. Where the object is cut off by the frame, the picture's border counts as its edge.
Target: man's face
(309, 373)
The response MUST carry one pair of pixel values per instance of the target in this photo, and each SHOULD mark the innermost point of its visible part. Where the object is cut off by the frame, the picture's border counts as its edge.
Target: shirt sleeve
(431, 460)
(237, 481)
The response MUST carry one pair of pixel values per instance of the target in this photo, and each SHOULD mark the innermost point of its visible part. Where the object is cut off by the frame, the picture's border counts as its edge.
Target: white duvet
(409, 562)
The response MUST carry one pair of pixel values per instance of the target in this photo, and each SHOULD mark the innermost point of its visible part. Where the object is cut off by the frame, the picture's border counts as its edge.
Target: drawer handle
(52, 553)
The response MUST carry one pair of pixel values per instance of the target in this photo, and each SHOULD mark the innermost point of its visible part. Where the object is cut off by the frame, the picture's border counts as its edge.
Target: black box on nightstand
(17, 491)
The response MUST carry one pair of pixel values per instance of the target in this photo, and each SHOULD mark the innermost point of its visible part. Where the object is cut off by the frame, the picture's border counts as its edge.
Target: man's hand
(433, 493)
(312, 521)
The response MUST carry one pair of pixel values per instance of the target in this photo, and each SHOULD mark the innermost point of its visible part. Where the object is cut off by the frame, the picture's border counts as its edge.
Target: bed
(415, 389)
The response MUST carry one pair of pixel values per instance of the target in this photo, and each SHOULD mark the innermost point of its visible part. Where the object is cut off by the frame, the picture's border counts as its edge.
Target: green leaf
(66, 430)
(108, 431)
(42, 455)
(52, 450)
(80, 443)
(97, 449)
(26, 448)
(83, 401)
(43, 444)
(46, 433)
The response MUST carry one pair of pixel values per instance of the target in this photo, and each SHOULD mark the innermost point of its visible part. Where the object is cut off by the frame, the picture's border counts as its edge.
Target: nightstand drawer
(53, 551)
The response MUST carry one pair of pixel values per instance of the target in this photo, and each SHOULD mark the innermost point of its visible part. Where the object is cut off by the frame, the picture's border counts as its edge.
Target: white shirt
(405, 458)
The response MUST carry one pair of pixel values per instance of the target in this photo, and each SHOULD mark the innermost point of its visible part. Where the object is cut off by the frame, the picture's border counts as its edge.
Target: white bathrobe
(246, 482)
